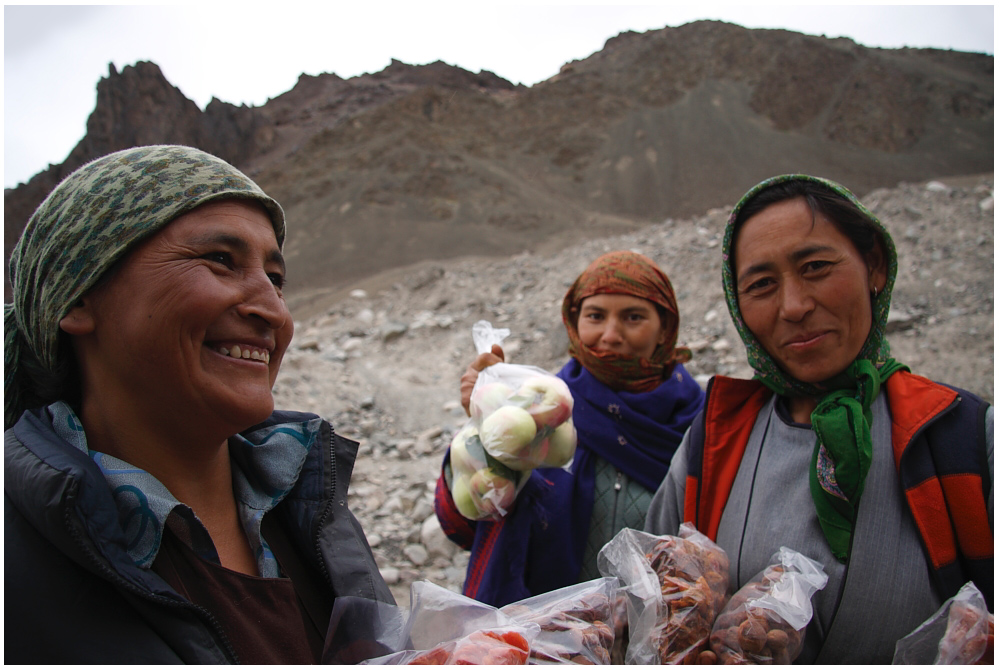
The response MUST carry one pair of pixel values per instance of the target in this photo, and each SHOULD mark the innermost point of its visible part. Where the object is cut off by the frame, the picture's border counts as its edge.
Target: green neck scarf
(843, 453)
(842, 419)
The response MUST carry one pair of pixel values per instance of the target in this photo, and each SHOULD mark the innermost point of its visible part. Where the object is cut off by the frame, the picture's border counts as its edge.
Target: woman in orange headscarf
(633, 401)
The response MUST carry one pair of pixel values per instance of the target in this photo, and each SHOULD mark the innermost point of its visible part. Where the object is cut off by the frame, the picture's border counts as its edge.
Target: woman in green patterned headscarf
(815, 330)
(89, 222)
(157, 508)
(833, 449)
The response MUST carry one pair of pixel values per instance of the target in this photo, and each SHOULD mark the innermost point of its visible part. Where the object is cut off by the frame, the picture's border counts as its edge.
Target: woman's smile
(244, 352)
(806, 340)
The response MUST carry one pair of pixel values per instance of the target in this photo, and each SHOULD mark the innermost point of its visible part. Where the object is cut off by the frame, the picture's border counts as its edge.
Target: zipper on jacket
(329, 506)
(115, 578)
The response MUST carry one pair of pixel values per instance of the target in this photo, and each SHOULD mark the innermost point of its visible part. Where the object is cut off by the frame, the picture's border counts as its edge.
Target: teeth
(246, 353)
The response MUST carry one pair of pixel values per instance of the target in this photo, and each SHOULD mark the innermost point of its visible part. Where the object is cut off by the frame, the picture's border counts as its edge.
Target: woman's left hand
(483, 361)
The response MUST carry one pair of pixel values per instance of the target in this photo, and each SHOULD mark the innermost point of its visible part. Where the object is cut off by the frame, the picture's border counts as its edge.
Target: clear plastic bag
(675, 584)
(447, 628)
(480, 647)
(523, 415)
(763, 622)
(481, 486)
(576, 622)
(959, 633)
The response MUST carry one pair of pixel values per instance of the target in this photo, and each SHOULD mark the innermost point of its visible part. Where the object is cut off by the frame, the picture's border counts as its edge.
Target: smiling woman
(144, 462)
(210, 281)
(834, 449)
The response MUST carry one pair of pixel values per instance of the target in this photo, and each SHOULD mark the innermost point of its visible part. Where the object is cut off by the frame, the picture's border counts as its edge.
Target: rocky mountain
(418, 163)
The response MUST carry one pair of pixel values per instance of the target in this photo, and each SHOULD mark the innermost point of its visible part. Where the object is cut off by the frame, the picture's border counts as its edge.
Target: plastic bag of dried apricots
(959, 633)
(675, 586)
(763, 623)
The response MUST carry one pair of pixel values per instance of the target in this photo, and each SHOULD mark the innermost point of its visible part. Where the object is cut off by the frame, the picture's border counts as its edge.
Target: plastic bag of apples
(521, 419)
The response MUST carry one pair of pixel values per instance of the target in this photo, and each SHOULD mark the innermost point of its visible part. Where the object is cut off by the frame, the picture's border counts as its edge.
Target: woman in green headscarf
(833, 449)
(157, 508)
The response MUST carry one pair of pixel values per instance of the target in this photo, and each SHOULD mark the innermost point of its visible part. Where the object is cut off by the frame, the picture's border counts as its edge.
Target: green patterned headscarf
(92, 219)
(842, 420)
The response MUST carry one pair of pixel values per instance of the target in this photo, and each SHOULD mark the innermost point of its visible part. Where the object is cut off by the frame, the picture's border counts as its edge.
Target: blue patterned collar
(266, 464)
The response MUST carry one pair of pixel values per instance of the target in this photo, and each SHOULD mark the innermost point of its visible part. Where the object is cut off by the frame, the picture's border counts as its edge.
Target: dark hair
(853, 223)
(43, 386)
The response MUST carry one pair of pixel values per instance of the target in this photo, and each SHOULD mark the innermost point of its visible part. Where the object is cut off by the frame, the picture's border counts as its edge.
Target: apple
(495, 491)
(507, 433)
(488, 398)
(462, 496)
(462, 458)
(562, 445)
(549, 400)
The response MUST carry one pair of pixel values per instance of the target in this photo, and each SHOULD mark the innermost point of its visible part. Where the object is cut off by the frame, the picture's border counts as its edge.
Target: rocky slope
(431, 162)
(383, 362)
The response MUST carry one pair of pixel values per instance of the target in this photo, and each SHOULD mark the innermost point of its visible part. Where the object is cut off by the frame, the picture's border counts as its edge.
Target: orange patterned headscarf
(627, 273)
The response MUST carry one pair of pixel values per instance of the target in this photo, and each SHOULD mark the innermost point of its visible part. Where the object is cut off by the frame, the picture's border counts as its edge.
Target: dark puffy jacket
(72, 595)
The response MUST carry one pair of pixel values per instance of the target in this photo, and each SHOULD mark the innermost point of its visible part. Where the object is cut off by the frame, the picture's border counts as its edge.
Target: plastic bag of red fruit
(447, 628)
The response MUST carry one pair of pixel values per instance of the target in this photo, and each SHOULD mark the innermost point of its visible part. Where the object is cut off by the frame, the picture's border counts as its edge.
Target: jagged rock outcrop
(137, 106)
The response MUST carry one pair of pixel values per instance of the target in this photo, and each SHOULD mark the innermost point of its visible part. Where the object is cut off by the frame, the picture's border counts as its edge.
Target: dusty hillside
(419, 163)
(383, 361)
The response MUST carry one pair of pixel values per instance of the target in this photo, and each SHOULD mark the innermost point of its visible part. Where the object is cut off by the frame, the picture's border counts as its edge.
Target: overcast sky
(247, 53)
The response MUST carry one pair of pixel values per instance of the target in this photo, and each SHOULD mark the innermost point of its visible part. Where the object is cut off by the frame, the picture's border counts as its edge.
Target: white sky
(246, 53)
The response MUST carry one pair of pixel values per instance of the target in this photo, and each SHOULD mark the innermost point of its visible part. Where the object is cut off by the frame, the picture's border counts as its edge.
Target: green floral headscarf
(91, 219)
(842, 420)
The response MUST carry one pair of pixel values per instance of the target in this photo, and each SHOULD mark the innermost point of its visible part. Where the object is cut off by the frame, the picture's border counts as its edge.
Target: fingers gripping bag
(764, 622)
(959, 633)
(523, 414)
(447, 628)
(576, 623)
(676, 586)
